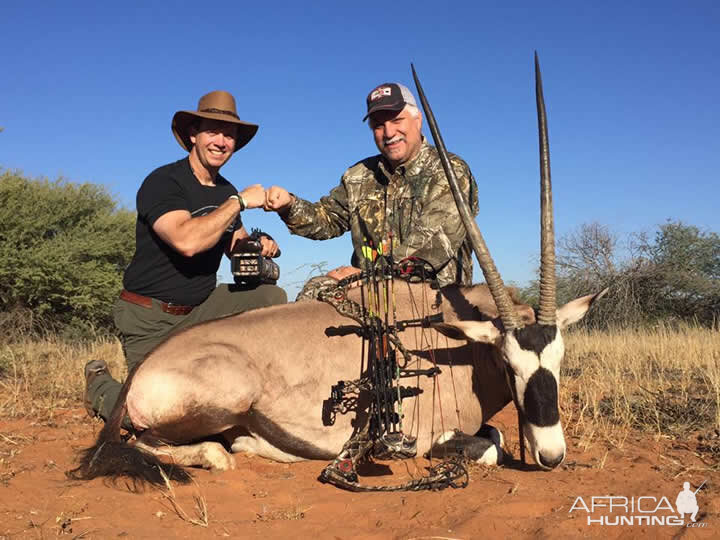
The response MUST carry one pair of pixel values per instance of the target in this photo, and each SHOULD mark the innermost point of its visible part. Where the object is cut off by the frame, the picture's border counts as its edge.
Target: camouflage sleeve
(439, 232)
(325, 219)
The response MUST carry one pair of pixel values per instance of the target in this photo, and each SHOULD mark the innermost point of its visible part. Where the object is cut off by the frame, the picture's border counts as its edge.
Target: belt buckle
(174, 309)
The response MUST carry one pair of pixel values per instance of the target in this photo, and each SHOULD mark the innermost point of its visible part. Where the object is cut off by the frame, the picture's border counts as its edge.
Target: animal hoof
(217, 459)
(485, 448)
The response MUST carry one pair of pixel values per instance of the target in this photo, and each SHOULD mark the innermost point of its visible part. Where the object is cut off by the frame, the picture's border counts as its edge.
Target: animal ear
(483, 332)
(576, 309)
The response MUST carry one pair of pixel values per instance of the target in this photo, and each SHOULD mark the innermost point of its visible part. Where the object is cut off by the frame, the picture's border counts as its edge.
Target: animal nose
(551, 461)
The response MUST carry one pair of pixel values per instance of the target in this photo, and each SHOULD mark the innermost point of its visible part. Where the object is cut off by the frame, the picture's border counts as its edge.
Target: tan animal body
(270, 371)
(261, 378)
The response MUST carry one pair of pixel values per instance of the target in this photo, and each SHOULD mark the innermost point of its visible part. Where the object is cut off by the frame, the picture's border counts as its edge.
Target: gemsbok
(261, 379)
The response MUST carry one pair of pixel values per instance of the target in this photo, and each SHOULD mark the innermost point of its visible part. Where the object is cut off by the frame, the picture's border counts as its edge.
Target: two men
(400, 195)
(188, 216)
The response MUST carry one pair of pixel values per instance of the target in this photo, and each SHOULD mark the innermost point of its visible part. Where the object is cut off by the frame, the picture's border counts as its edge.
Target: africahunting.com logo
(616, 510)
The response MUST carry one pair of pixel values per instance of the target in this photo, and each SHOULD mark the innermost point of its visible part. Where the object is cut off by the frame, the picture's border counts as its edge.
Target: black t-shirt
(157, 270)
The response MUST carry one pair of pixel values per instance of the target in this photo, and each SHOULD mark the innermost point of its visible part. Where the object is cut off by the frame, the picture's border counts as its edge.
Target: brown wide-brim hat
(217, 105)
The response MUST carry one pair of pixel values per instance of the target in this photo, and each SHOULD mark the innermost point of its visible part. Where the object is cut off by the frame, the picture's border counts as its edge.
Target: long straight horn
(548, 306)
(492, 276)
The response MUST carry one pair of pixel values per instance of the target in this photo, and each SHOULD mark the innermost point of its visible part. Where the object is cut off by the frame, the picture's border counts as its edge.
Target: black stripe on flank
(536, 337)
(541, 399)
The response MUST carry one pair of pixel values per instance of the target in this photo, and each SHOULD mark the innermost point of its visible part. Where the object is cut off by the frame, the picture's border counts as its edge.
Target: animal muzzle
(547, 444)
(550, 461)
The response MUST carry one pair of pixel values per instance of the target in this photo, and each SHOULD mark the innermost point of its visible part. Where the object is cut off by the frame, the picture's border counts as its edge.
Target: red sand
(264, 499)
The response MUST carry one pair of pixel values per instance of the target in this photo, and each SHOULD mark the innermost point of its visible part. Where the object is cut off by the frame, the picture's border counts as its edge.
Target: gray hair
(413, 110)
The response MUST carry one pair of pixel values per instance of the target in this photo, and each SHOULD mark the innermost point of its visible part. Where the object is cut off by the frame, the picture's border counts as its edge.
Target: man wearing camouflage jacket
(403, 192)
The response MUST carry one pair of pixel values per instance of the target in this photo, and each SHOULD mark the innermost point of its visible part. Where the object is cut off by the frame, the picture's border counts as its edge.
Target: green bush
(672, 275)
(63, 248)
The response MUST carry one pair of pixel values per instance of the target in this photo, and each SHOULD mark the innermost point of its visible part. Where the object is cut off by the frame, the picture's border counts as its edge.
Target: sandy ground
(264, 499)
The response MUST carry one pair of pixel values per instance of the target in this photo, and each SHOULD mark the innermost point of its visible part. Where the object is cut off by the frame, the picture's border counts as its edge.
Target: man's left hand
(343, 272)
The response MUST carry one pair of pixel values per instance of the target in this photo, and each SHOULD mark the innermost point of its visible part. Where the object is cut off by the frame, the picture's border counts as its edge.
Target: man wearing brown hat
(188, 215)
(401, 194)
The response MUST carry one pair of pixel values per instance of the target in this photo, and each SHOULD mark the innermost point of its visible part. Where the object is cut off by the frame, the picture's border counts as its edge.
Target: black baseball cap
(389, 97)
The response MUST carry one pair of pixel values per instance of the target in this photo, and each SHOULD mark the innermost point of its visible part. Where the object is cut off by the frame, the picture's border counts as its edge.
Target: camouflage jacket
(414, 203)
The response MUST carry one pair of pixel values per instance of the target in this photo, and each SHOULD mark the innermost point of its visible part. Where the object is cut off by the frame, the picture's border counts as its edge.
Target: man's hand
(254, 196)
(343, 272)
(278, 200)
(269, 246)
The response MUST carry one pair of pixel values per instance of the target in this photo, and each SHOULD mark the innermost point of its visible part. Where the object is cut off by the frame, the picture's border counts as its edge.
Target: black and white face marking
(541, 399)
(536, 337)
(534, 353)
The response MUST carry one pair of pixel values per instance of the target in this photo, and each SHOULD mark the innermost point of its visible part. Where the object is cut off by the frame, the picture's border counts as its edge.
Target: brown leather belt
(146, 301)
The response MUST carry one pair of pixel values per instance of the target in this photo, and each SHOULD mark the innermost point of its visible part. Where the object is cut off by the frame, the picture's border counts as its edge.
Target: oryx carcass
(261, 378)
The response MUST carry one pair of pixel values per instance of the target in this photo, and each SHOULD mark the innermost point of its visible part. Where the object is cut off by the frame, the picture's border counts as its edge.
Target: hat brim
(389, 107)
(182, 120)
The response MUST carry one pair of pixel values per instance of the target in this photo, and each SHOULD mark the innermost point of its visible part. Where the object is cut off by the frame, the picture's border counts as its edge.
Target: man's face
(214, 142)
(397, 134)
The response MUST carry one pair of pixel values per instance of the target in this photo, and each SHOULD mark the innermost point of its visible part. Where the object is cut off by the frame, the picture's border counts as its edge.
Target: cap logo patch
(380, 93)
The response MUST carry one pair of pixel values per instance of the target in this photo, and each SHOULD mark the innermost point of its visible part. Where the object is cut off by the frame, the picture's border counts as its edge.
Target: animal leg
(255, 445)
(485, 447)
(208, 455)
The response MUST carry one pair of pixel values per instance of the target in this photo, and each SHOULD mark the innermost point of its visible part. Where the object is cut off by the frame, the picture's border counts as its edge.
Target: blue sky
(631, 89)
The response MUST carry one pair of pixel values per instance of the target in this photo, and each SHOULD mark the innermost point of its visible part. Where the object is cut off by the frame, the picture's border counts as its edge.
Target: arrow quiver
(386, 363)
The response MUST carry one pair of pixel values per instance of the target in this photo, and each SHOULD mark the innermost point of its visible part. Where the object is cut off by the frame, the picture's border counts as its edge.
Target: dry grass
(201, 518)
(664, 380)
(39, 376)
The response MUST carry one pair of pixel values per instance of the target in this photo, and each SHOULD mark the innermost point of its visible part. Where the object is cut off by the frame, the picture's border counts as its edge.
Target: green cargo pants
(141, 329)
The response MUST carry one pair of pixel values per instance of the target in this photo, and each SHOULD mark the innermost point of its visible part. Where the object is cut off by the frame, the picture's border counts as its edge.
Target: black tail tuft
(113, 458)
(116, 460)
